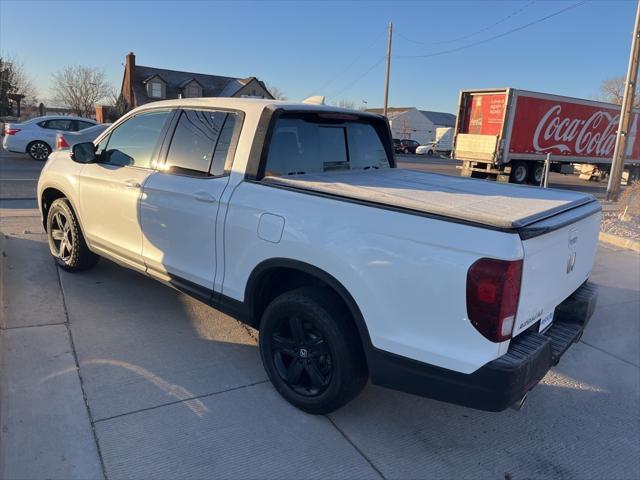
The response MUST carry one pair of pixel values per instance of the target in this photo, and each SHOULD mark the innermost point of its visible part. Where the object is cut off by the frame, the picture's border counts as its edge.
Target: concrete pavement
(107, 373)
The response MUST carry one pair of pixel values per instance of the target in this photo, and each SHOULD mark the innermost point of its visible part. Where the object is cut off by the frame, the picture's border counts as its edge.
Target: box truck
(507, 133)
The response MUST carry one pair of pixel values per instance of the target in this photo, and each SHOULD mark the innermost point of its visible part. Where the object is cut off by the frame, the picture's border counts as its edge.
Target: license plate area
(545, 321)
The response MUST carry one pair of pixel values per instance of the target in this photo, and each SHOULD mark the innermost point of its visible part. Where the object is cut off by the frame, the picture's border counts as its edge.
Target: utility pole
(386, 81)
(617, 164)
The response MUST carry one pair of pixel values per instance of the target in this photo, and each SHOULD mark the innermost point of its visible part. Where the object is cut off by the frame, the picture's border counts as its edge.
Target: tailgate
(476, 147)
(555, 265)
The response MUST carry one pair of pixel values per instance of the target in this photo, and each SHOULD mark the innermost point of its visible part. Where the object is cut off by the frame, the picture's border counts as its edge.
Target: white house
(414, 124)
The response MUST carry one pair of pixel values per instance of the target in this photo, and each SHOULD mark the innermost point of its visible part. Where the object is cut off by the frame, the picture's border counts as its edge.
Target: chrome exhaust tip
(520, 403)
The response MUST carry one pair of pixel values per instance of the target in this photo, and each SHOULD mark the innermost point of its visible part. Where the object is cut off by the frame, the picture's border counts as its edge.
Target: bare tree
(14, 81)
(276, 92)
(80, 88)
(612, 91)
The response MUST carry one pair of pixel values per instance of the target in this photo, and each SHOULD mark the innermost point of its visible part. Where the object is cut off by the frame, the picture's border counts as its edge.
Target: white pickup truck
(294, 219)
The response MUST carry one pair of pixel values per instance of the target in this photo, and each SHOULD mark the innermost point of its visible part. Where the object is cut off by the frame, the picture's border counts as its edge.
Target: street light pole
(617, 164)
(386, 82)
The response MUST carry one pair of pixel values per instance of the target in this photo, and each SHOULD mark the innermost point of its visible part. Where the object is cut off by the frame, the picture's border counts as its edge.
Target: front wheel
(66, 242)
(39, 150)
(311, 350)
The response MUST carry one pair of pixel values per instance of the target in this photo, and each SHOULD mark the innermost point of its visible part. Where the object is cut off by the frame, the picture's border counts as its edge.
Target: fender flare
(320, 274)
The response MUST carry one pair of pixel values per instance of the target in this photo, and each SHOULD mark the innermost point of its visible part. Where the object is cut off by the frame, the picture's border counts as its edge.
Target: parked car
(405, 146)
(428, 149)
(37, 136)
(67, 140)
(294, 219)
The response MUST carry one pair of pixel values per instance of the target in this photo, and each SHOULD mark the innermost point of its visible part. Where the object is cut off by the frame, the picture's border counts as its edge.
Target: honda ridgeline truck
(294, 219)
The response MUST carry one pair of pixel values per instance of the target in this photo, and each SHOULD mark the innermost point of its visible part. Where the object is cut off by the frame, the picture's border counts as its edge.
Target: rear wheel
(66, 242)
(39, 150)
(519, 172)
(311, 350)
(536, 174)
(429, 153)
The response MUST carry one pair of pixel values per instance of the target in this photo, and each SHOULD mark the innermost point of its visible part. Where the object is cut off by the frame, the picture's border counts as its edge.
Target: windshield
(314, 144)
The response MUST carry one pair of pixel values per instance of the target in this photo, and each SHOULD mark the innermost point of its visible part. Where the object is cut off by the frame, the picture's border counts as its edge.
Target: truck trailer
(506, 134)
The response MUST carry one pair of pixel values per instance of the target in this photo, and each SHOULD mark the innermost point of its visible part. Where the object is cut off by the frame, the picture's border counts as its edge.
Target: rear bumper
(502, 382)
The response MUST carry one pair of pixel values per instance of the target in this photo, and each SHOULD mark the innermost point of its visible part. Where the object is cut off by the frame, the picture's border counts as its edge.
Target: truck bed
(497, 205)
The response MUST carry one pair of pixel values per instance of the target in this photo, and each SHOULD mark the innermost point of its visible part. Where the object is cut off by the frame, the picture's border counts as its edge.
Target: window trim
(231, 152)
(156, 148)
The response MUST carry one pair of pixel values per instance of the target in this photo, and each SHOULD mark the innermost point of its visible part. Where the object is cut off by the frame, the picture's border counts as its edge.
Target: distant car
(405, 146)
(429, 149)
(37, 136)
(66, 140)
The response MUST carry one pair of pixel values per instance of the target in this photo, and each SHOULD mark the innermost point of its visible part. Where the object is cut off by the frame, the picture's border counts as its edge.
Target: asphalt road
(108, 374)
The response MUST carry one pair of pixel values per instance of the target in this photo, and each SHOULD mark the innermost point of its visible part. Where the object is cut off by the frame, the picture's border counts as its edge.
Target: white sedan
(37, 136)
(429, 149)
(66, 140)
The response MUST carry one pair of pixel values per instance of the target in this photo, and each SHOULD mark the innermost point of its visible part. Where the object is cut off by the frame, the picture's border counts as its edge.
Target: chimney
(129, 70)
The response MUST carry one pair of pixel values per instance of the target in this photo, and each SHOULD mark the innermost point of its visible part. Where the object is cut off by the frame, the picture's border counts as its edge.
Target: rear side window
(58, 124)
(201, 142)
(81, 125)
(314, 145)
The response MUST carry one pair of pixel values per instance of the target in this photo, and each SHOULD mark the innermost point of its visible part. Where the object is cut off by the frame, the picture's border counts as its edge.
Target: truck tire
(311, 350)
(66, 242)
(536, 173)
(519, 172)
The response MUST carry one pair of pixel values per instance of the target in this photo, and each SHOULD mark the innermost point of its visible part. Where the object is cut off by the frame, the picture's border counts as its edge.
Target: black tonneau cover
(483, 203)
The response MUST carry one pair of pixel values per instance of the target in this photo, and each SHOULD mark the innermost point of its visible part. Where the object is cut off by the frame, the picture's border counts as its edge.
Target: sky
(334, 48)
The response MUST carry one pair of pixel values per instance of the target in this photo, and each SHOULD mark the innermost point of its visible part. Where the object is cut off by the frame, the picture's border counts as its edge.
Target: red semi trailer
(507, 133)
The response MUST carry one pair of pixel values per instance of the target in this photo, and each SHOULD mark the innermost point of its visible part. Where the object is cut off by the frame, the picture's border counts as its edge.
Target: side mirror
(84, 152)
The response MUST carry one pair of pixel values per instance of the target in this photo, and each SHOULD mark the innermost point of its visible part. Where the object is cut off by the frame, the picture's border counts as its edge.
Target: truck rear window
(314, 145)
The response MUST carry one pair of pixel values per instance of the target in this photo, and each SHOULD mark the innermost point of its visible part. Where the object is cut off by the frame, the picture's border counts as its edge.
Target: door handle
(204, 197)
(132, 184)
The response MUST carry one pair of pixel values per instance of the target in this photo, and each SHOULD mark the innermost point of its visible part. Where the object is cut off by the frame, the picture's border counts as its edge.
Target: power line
(472, 34)
(347, 87)
(508, 32)
(342, 72)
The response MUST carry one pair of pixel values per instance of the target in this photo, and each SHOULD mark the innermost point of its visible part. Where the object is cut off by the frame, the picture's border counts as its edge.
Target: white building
(414, 124)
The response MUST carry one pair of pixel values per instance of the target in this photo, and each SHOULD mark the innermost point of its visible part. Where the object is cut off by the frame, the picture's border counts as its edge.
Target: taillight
(61, 143)
(11, 131)
(493, 290)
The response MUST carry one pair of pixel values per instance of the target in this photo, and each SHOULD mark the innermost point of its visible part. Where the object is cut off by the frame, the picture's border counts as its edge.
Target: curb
(620, 241)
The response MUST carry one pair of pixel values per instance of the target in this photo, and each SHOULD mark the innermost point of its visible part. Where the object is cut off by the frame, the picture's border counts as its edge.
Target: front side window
(313, 144)
(194, 141)
(133, 142)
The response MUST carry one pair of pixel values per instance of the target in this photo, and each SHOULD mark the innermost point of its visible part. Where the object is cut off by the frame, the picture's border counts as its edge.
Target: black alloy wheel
(301, 356)
(311, 350)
